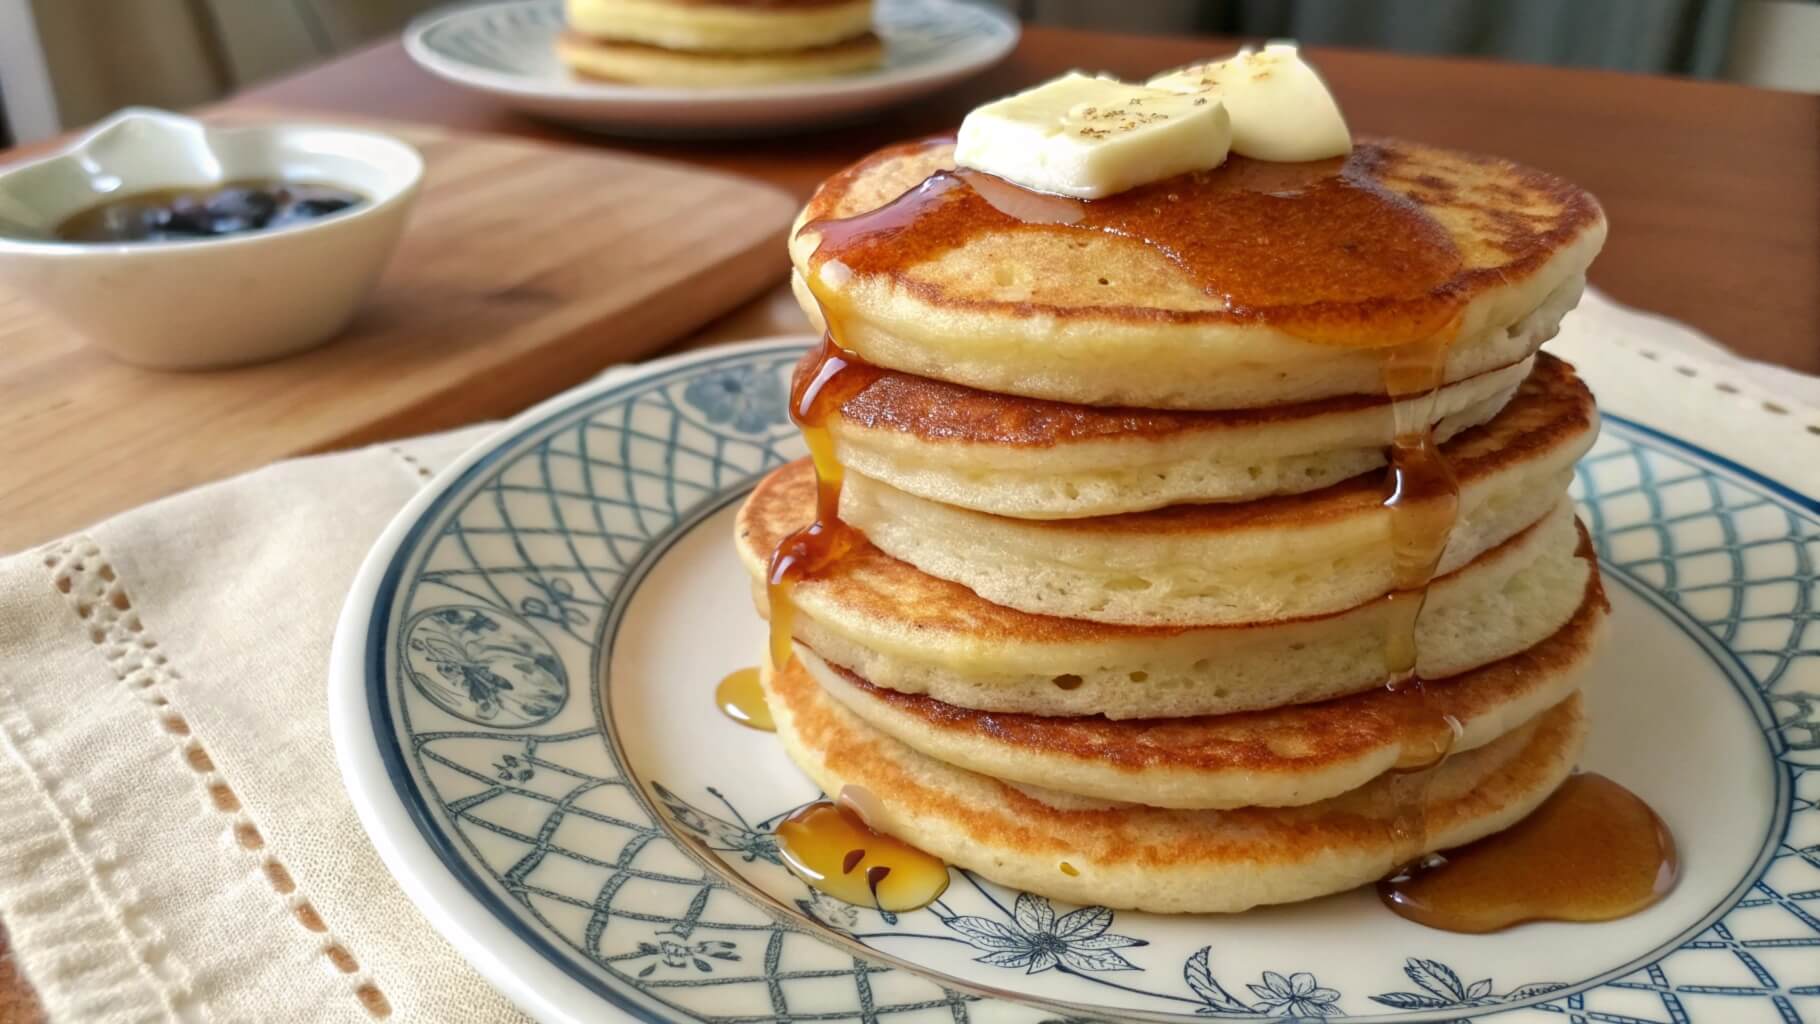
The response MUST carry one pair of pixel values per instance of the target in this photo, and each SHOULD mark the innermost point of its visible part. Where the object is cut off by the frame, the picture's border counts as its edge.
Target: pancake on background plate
(718, 43)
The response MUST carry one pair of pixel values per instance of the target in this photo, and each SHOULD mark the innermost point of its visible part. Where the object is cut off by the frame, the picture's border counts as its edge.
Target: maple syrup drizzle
(826, 378)
(1594, 851)
(740, 697)
(1423, 501)
(831, 848)
(827, 843)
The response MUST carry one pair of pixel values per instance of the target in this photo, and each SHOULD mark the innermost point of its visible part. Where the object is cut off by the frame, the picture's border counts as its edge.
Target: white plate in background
(508, 49)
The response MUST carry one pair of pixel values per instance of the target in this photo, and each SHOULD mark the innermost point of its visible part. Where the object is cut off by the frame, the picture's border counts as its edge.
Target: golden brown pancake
(935, 411)
(721, 26)
(1258, 561)
(1551, 410)
(1036, 459)
(645, 64)
(1169, 861)
(903, 629)
(1299, 272)
(1279, 757)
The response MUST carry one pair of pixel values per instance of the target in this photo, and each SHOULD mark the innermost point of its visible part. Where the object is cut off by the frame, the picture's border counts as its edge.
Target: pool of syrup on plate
(741, 697)
(1291, 246)
(1593, 851)
(829, 845)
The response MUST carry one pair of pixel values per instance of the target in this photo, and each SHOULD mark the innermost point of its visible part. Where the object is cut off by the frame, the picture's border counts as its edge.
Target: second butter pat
(1089, 137)
(1281, 110)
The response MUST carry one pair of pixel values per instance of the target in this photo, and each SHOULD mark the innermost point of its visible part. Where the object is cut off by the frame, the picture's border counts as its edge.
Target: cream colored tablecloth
(175, 843)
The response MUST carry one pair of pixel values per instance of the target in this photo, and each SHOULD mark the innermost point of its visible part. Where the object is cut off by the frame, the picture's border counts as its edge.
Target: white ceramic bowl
(213, 301)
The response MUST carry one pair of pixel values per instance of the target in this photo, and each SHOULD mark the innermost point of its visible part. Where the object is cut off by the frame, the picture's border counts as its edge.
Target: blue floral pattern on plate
(672, 901)
(485, 665)
(1036, 940)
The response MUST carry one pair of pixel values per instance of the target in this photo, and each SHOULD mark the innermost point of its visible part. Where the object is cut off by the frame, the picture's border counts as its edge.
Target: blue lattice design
(549, 535)
(1740, 561)
(553, 527)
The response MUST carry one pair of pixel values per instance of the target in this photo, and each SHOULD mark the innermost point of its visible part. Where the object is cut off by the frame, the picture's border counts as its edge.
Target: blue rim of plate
(426, 42)
(546, 420)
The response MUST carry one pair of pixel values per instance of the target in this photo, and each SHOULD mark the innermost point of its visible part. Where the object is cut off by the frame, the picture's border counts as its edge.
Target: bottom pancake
(1167, 861)
(641, 64)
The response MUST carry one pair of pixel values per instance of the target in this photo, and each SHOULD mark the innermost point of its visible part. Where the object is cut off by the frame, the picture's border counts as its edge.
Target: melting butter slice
(1090, 137)
(1280, 108)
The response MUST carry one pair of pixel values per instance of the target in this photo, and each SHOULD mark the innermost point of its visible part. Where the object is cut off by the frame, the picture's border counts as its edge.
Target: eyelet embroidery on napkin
(423, 472)
(1727, 387)
(100, 600)
(69, 805)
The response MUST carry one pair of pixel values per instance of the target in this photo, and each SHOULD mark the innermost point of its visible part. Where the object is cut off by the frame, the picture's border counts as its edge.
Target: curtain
(105, 54)
(1668, 36)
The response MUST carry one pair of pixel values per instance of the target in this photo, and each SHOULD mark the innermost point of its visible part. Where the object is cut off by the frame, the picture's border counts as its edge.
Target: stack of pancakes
(708, 43)
(1114, 627)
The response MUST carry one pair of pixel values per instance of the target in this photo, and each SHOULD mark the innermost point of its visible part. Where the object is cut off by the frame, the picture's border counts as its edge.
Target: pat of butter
(1090, 137)
(1281, 110)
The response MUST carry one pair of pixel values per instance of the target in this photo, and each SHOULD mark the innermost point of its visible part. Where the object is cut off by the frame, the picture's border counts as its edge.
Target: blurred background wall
(65, 63)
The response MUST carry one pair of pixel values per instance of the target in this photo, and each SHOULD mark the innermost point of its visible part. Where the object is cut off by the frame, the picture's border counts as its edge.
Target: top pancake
(1279, 286)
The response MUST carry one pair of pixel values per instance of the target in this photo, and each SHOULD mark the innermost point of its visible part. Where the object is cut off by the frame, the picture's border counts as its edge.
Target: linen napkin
(175, 843)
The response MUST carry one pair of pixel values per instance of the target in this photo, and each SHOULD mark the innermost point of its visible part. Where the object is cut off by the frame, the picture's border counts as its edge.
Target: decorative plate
(522, 706)
(507, 49)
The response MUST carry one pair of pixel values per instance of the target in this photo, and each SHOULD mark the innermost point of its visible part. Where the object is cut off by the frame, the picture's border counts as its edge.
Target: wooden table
(1713, 190)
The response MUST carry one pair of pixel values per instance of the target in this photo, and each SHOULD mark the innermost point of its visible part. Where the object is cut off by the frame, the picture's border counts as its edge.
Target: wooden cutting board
(526, 269)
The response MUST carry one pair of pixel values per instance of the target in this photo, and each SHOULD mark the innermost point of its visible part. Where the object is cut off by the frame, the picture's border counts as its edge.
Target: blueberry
(302, 210)
(241, 209)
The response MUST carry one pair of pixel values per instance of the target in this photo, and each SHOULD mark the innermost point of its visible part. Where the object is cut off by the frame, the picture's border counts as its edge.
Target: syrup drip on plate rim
(741, 697)
(829, 845)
